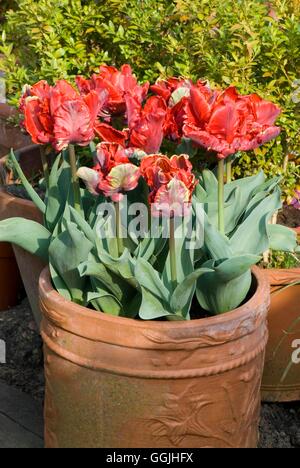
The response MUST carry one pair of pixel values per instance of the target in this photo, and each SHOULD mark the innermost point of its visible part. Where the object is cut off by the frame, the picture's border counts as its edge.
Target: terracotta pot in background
(118, 382)
(10, 206)
(10, 280)
(297, 230)
(30, 266)
(281, 380)
(11, 284)
(10, 135)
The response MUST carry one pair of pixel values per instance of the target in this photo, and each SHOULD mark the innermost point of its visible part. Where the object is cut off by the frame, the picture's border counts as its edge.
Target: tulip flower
(74, 116)
(175, 119)
(113, 174)
(228, 122)
(171, 183)
(165, 88)
(175, 92)
(35, 105)
(59, 115)
(117, 84)
(146, 125)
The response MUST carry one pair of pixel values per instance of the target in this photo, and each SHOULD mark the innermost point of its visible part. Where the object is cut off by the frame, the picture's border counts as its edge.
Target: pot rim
(282, 276)
(48, 292)
(22, 201)
(23, 149)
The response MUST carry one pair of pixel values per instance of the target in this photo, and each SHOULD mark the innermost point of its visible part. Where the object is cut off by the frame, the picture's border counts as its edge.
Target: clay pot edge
(242, 315)
(282, 276)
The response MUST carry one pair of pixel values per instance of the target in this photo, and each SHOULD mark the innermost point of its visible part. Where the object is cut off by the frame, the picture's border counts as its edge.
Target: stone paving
(21, 419)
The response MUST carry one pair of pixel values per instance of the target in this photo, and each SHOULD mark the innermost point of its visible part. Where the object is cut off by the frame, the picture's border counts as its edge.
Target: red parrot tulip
(175, 92)
(146, 124)
(165, 88)
(175, 119)
(171, 182)
(228, 122)
(113, 174)
(35, 105)
(59, 115)
(118, 84)
(74, 116)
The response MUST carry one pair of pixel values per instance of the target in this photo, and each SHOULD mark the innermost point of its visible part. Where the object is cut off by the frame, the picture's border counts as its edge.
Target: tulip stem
(228, 171)
(172, 248)
(221, 196)
(45, 164)
(119, 230)
(74, 178)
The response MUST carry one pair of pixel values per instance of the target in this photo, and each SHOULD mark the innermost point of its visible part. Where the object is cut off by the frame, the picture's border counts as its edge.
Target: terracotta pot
(30, 266)
(118, 382)
(29, 159)
(281, 380)
(10, 280)
(10, 135)
(10, 206)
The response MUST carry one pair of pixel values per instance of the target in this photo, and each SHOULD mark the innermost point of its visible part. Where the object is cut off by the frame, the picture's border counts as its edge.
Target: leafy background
(253, 44)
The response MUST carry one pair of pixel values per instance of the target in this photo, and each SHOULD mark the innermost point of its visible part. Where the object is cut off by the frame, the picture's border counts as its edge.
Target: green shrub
(5, 6)
(249, 43)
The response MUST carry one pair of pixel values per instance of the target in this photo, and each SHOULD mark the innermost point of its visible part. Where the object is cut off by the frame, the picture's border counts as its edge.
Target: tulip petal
(72, 124)
(122, 178)
(200, 105)
(224, 122)
(90, 178)
(172, 199)
(109, 134)
(33, 124)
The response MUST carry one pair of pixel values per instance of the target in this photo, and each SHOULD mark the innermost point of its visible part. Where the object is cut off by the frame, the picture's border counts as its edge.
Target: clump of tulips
(137, 233)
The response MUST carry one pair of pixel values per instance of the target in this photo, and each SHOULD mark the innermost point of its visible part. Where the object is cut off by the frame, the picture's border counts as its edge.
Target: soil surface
(24, 355)
(289, 216)
(280, 423)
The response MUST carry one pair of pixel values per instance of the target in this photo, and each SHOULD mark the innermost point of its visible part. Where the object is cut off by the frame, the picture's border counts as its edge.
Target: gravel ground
(24, 356)
(280, 423)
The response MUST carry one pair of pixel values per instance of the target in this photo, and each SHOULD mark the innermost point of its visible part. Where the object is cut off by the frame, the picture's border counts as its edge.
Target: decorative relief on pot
(192, 414)
(181, 417)
(213, 337)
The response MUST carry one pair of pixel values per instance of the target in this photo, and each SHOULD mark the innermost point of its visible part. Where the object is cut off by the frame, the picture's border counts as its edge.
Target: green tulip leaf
(31, 236)
(218, 296)
(29, 189)
(66, 252)
(55, 205)
(251, 236)
(183, 295)
(282, 238)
